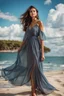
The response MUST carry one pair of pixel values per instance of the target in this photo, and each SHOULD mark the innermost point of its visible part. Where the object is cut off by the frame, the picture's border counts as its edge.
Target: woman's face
(33, 12)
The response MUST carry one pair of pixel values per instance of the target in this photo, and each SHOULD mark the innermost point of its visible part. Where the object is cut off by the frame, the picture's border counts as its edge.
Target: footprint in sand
(58, 80)
(62, 85)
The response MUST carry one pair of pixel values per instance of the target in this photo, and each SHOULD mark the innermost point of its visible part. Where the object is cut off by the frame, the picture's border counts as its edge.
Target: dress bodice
(34, 31)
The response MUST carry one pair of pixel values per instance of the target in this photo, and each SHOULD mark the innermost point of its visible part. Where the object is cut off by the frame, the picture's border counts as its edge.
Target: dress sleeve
(42, 35)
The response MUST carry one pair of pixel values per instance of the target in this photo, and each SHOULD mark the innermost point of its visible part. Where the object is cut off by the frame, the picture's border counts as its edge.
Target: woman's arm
(42, 41)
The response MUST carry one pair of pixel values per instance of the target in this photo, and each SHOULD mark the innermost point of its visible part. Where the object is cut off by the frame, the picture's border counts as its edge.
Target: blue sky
(17, 7)
(51, 13)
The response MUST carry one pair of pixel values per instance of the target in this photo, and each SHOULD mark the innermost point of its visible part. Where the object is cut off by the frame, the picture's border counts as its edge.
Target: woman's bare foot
(33, 92)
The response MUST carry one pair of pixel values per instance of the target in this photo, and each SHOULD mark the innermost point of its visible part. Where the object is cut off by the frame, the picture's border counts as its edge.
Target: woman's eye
(34, 11)
(30, 11)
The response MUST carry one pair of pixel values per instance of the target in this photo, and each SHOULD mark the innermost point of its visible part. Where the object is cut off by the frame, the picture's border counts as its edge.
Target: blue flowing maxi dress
(29, 57)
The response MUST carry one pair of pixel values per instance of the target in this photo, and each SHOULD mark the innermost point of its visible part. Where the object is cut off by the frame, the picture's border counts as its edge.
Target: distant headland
(13, 46)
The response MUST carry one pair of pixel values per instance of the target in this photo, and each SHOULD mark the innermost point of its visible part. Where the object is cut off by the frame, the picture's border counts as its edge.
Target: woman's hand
(23, 42)
(42, 57)
(19, 49)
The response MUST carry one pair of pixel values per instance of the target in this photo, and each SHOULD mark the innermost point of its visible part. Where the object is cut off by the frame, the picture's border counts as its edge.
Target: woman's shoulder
(40, 24)
(39, 21)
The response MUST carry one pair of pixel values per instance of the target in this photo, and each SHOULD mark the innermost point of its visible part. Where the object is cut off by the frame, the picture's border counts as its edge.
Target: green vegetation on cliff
(13, 45)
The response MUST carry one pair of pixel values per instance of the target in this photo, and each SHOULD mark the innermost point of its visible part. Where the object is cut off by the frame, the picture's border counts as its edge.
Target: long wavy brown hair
(26, 19)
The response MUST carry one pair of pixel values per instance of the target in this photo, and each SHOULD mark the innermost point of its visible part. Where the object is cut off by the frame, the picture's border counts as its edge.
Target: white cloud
(8, 16)
(47, 2)
(56, 16)
(55, 21)
(54, 30)
(13, 32)
(56, 45)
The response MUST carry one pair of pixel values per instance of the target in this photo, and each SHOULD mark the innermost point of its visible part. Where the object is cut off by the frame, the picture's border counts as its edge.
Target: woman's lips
(32, 14)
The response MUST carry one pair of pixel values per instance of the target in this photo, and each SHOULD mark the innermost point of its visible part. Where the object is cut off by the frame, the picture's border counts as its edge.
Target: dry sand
(56, 78)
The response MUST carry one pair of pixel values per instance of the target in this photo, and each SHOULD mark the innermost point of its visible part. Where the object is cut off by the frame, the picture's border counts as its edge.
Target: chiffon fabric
(29, 58)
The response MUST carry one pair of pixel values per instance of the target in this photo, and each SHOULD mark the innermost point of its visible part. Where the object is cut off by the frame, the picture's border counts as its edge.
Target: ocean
(51, 63)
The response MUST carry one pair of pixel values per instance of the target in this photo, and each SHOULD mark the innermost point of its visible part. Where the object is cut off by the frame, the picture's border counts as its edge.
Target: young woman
(28, 66)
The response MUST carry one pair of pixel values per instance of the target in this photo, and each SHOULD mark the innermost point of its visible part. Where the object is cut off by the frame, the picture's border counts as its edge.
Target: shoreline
(9, 50)
(56, 78)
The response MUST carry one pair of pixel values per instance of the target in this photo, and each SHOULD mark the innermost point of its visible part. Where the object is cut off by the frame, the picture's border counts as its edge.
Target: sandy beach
(56, 78)
(9, 50)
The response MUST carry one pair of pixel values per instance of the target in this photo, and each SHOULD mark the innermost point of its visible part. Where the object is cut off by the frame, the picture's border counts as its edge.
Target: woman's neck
(34, 20)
